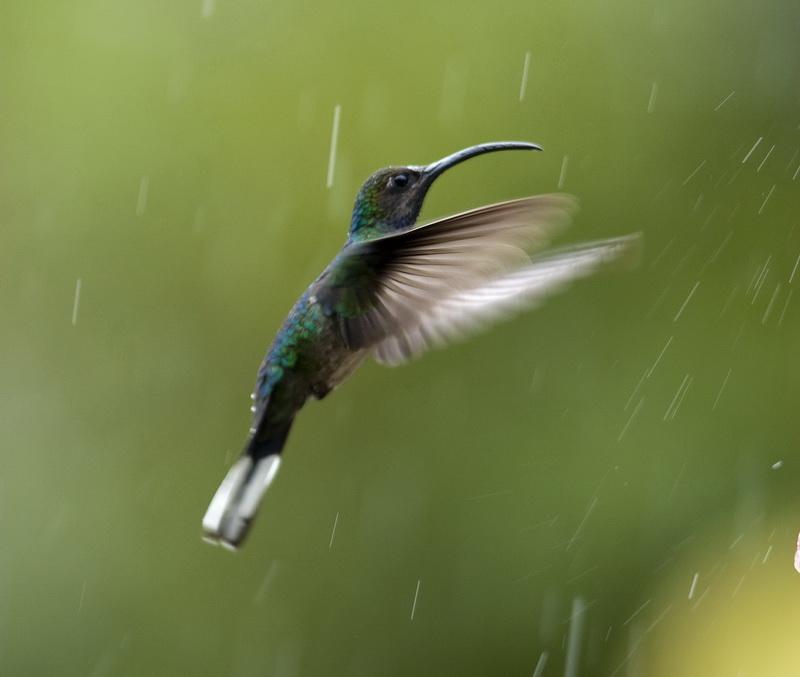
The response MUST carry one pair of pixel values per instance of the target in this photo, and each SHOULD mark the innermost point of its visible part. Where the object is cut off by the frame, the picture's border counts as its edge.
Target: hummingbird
(395, 290)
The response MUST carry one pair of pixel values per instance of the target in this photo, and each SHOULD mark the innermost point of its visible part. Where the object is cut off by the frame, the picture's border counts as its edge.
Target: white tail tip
(235, 503)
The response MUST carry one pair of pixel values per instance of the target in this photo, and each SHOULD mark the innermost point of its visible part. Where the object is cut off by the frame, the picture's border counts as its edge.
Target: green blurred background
(607, 486)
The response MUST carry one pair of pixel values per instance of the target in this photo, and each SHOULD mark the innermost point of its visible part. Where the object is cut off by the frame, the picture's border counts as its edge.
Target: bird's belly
(310, 354)
(346, 366)
(334, 362)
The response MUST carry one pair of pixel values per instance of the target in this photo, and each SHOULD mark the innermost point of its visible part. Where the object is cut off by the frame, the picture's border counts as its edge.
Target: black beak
(436, 168)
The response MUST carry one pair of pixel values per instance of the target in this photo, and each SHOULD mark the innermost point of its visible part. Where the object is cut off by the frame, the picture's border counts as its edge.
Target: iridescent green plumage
(392, 292)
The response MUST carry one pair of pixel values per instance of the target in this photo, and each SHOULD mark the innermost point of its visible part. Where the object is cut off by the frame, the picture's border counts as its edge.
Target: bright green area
(176, 164)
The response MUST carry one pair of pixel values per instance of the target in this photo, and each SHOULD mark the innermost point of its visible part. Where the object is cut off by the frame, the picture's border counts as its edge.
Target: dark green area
(508, 475)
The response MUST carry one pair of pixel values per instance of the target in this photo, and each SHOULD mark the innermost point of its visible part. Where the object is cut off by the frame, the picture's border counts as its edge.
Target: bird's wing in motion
(467, 311)
(403, 293)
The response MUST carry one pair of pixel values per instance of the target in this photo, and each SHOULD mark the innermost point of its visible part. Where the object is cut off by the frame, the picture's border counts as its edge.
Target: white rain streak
(766, 199)
(657, 303)
(635, 638)
(758, 275)
(722, 176)
(735, 175)
(724, 101)
(83, 595)
(660, 355)
(630, 420)
(538, 671)
(794, 270)
(635, 391)
(563, 175)
(535, 379)
(738, 585)
(686, 302)
(636, 643)
(701, 598)
(574, 637)
(693, 585)
(582, 574)
(525, 577)
(721, 389)
(454, 91)
(266, 583)
(141, 200)
(791, 162)
(674, 487)
(76, 302)
(771, 303)
(550, 522)
(637, 612)
(491, 494)
(523, 86)
(416, 595)
(766, 555)
(766, 157)
(759, 284)
(719, 249)
(660, 254)
(752, 150)
(738, 336)
(672, 410)
(651, 103)
(736, 152)
(662, 190)
(337, 111)
(583, 521)
(711, 259)
(796, 173)
(777, 465)
(207, 10)
(658, 620)
(785, 306)
(753, 563)
(692, 175)
(689, 253)
(333, 530)
(709, 217)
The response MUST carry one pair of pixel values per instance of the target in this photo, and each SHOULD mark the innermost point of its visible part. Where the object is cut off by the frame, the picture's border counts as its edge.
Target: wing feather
(467, 311)
(380, 288)
(406, 292)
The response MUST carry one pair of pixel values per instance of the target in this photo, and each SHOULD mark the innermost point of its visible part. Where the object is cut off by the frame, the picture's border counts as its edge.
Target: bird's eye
(399, 181)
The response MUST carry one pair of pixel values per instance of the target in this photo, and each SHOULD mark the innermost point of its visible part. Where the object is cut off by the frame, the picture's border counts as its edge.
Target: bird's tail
(236, 501)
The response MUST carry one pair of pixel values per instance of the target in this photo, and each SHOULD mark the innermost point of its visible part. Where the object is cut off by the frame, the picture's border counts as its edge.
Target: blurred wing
(383, 288)
(467, 311)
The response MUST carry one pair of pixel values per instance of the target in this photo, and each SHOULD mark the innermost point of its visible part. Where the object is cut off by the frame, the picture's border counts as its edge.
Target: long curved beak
(436, 168)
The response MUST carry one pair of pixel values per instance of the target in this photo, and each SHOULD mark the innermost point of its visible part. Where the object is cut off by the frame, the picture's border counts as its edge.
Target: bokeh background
(607, 486)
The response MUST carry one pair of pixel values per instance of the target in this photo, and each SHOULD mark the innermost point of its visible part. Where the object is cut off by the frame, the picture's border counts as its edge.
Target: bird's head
(392, 197)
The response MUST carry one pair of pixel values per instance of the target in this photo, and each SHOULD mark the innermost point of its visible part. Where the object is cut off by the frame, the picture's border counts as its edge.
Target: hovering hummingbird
(393, 291)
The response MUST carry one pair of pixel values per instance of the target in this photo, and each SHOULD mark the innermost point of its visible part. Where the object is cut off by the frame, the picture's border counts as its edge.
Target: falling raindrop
(337, 110)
